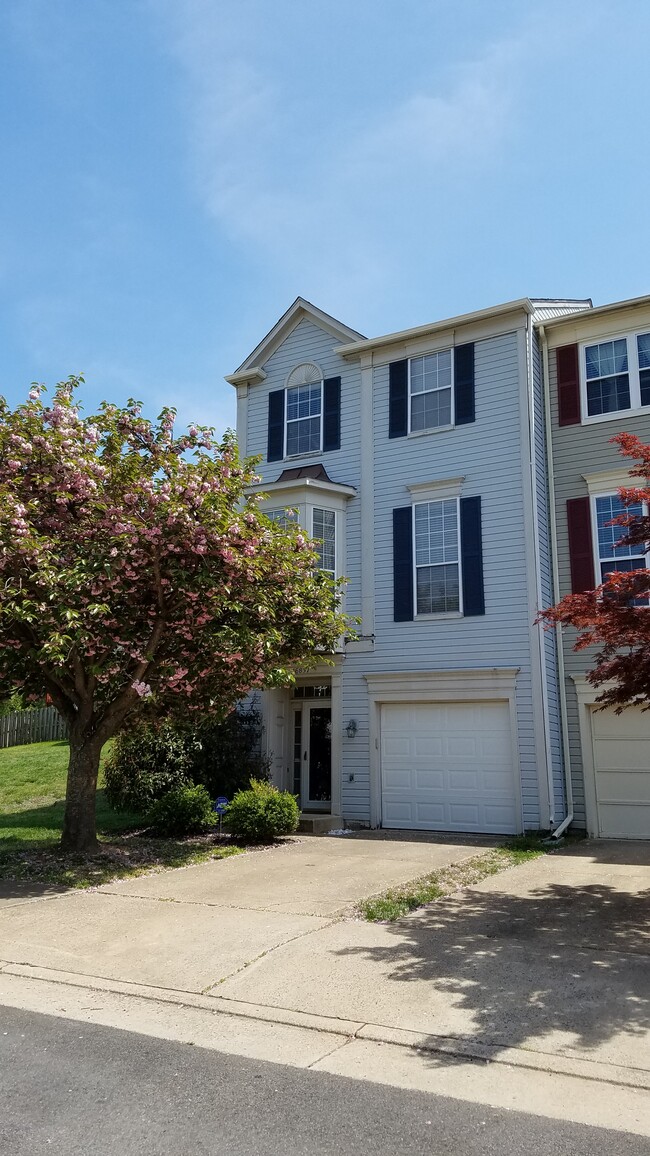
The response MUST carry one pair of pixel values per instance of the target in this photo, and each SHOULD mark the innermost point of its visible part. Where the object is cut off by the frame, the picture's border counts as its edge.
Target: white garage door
(622, 772)
(448, 767)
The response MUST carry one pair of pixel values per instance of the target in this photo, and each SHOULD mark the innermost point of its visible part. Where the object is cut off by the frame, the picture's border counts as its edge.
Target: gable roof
(251, 369)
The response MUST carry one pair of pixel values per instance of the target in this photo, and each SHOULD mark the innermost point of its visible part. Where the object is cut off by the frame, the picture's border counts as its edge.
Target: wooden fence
(32, 726)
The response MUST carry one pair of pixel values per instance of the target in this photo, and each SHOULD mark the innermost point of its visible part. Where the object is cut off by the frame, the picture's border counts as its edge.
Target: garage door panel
(448, 767)
(623, 754)
(624, 787)
(398, 779)
(397, 745)
(621, 769)
(632, 723)
(425, 780)
(619, 821)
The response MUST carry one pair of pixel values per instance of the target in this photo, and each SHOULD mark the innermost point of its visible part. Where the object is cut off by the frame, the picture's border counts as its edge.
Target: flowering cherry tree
(616, 615)
(135, 573)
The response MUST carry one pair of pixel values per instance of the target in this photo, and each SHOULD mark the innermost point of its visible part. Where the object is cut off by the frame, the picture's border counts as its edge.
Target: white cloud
(332, 210)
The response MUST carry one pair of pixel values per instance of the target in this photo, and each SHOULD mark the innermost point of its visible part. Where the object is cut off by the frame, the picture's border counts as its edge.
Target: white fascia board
(336, 489)
(253, 376)
(357, 348)
(587, 315)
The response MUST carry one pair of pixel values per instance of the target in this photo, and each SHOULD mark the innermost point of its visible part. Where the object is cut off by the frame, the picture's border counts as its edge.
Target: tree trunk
(79, 822)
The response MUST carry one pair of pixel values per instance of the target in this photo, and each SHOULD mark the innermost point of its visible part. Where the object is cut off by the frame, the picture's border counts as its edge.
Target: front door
(313, 756)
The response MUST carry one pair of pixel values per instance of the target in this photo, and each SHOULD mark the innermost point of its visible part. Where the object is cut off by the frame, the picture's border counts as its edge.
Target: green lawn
(32, 793)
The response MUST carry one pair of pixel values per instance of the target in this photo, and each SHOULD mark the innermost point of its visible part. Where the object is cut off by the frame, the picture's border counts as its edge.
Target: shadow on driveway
(524, 963)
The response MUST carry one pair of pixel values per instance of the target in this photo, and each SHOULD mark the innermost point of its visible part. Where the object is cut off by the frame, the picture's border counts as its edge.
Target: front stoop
(319, 824)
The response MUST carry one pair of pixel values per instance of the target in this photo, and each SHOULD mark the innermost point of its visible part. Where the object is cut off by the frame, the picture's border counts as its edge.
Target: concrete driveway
(191, 928)
(550, 958)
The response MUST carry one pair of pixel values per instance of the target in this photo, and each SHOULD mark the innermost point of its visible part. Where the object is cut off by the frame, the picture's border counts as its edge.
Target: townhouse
(418, 461)
(598, 371)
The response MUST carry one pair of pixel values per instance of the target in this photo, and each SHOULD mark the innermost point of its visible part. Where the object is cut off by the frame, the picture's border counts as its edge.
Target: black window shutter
(464, 405)
(332, 413)
(471, 554)
(398, 400)
(275, 450)
(403, 564)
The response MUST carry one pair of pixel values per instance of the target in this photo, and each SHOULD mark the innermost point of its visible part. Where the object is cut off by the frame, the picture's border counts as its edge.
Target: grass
(32, 790)
(399, 901)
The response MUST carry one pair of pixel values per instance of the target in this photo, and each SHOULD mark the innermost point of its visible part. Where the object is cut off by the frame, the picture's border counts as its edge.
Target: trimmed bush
(182, 811)
(146, 762)
(149, 759)
(262, 813)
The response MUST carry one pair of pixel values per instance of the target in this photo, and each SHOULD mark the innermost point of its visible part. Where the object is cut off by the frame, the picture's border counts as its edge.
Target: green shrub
(262, 813)
(182, 811)
(150, 758)
(227, 755)
(145, 762)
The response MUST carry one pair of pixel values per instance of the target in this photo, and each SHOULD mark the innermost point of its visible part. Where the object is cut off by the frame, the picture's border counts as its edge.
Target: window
(616, 375)
(324, 533)
(304, 410)
(437, 557)
(430, 391)
(282, 517)
(609, 555)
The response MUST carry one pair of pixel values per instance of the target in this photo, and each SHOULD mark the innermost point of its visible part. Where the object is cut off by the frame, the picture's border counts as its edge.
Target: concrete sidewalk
(543, 968)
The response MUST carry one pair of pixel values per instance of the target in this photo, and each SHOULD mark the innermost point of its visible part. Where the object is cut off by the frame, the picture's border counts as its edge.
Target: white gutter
(532, 454)
(566, 755)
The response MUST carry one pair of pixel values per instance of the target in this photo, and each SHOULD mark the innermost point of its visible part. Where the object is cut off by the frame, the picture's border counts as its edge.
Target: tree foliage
(134, 570)
(615, 616)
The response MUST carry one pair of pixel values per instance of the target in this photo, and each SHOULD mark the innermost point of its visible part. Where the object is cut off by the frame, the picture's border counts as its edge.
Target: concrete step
(319, 824)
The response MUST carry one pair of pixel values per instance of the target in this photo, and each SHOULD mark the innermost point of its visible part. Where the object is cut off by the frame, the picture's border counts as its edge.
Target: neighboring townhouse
(598, 372)
(418, 461)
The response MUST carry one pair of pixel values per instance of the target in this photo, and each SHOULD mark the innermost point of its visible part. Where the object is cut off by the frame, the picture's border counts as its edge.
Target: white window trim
(443, 613)
(630, 337)
(303, 453)
(593, 498)
(417, 433)
(328, 510)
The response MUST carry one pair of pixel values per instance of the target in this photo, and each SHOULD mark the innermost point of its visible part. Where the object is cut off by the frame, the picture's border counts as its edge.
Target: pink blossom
(141, 688)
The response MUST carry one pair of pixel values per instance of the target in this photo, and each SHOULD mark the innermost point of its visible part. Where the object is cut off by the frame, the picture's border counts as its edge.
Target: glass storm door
(313, 738)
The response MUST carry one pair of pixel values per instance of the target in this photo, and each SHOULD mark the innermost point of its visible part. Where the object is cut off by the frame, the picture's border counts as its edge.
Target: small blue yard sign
(220, 804)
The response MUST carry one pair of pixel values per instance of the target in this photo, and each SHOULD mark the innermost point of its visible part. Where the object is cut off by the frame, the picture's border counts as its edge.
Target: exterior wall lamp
(351, 728)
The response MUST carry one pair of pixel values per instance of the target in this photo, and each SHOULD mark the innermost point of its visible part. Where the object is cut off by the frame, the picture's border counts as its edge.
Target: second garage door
(621, 745)
(448, 767)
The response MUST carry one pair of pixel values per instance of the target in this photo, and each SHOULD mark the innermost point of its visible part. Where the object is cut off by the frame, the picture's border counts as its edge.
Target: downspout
(538, 581)
(559, 648)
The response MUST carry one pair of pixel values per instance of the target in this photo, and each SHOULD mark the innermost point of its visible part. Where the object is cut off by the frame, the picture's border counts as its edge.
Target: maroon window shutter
(581, 553)
(568, 385)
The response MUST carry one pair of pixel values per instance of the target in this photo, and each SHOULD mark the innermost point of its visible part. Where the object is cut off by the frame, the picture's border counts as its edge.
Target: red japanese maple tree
(615, 616)
(135, 573)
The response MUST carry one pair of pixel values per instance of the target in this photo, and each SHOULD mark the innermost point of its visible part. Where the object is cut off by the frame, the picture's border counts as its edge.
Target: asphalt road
(81, 1090)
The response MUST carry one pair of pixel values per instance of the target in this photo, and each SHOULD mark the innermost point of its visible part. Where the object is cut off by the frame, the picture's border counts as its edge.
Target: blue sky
(176, 172)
